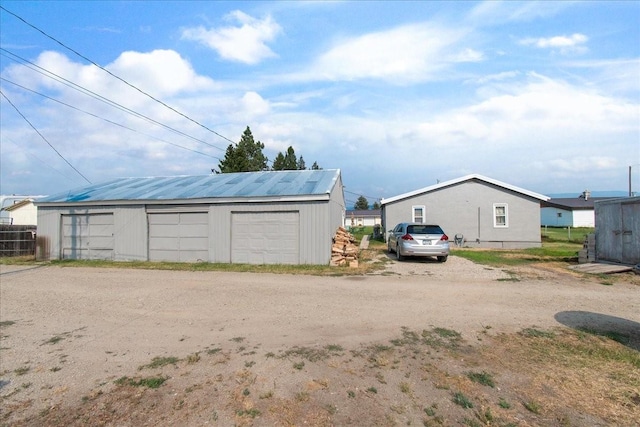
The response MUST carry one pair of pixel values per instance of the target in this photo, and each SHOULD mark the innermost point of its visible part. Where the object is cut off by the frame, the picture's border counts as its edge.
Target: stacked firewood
(344, 250)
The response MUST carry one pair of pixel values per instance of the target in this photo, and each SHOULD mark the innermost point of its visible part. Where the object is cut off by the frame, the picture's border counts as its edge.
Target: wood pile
(344, 250)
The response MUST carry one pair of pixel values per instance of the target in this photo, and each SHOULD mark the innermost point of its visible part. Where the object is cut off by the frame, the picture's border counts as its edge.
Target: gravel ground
(66, 332)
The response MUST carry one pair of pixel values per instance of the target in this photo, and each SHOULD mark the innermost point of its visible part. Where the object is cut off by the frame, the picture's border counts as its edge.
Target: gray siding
(130, 229)
(319, 220)
(467, 208)
(618, 230)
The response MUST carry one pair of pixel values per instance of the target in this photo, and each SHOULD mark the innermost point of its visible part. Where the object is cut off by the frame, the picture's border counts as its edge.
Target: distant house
(482, 211)
(570, 212)
(362, 218)
(270, 217)
(22, 212)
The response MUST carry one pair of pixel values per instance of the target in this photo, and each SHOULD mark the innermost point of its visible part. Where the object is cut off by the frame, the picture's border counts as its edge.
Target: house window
(418, 214)
(500, 215)
(559, 214)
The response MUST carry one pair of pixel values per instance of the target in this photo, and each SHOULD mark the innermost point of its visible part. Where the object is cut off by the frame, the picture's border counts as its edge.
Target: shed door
(265, 237)
(180, 237)
(87, 236)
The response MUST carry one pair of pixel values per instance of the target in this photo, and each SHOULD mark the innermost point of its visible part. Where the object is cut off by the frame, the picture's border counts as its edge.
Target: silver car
(413, 239)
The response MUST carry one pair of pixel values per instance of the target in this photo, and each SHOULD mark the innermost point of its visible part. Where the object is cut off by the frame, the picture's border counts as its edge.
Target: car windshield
(424, 229)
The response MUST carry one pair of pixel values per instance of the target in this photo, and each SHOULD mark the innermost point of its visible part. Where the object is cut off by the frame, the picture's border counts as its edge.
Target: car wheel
(398, 254)
(389, 247)
(442, 258)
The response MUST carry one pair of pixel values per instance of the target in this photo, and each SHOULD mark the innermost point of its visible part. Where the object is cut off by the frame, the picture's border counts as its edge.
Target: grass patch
(313, 354)
(53, 340)
(306, 269)
(22, 371)
(149, 382)
(159, 362)
(532, 407)
(536, 333)
(504, 404)
(251, 413)
(462, 400)
(483, 378)
(612, 335)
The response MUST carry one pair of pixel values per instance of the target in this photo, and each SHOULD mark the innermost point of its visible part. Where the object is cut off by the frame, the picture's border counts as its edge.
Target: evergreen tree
(361, 204)
(315, 167)
(301, 165)
(376, 205)
(245, 156)
(278, 163)
(290, 161)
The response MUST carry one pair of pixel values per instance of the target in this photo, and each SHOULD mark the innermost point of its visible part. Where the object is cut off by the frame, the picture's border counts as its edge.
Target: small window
(559, 214)
(500, 215)
(418, 214)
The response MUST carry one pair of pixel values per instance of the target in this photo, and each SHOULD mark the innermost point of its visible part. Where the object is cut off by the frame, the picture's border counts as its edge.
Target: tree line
(247, 156)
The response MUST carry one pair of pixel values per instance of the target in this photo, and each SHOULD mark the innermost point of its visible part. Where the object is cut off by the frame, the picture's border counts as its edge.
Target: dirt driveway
(265, 349)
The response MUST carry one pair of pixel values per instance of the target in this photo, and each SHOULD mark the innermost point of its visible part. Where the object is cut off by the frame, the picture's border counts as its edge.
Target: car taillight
(407, 237)
(444, 237)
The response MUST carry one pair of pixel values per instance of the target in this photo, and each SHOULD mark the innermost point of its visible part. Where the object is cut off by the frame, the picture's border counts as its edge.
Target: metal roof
(267, 184)
(574, 203)
(463, 179)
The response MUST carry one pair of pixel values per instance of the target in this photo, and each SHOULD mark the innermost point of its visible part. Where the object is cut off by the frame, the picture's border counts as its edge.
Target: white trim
(413, 213)
(506, 215)
(462, 179)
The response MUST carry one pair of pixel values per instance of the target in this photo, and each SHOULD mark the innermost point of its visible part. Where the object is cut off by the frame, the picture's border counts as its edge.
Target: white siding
(584, 218)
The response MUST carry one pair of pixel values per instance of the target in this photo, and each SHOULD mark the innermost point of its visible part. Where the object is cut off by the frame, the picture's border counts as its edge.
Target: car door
(393, 236)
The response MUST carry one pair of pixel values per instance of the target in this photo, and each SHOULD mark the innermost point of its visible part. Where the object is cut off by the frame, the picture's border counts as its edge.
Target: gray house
(618, 230)
(275, 217)
(481, 211)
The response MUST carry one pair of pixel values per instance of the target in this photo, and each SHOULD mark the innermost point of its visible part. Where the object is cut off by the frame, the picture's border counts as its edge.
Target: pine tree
(361, 204)
(245, 156)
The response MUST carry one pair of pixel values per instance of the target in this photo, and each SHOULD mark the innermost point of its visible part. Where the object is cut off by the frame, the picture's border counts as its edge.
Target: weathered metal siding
(467, 208)
(130, 226)
(315, 228)
(618, 230)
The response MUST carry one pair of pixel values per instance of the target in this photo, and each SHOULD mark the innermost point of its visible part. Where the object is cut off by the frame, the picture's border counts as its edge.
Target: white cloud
(405, 54)
(564, 44)
(161, 72)
(246, 42)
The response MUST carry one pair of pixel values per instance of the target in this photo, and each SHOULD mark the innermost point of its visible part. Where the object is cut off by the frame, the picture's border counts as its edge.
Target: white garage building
(274, 217)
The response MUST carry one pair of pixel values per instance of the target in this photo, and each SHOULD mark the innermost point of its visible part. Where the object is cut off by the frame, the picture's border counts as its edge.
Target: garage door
(182, 237)
(87, 236)
(265, 237)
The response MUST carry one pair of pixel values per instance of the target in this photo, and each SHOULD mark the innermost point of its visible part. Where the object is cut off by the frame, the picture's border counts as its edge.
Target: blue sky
(398, 95)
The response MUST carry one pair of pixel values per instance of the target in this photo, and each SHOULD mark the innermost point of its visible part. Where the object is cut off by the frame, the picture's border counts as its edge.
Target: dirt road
(68, 333)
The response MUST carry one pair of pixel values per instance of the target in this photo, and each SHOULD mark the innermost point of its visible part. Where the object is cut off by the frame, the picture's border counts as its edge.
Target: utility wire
(95, 95)
(358, 194)
(115, 76)
(42, 136)
(106, 120)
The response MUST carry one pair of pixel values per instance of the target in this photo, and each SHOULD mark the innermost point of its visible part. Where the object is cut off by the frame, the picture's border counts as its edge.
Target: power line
(42, 136)
(96, 96)
(359, 194)
(115, 76)
(106, 120)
